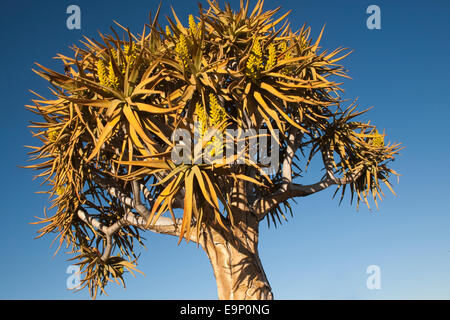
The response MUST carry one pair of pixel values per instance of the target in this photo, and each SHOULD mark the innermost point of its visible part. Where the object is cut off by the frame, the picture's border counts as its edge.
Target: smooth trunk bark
(235, 260)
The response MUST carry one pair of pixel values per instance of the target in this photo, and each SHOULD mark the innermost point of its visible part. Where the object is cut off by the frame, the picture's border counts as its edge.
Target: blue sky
(324, 250)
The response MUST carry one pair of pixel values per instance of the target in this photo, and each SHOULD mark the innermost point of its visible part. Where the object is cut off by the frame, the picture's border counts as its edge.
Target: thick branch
(292, 145)
(290, 190)
(264, 205)
(163, 225)
(137, 203)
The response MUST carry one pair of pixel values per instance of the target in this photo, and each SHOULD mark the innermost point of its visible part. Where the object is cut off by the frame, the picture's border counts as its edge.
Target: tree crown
(106, 148)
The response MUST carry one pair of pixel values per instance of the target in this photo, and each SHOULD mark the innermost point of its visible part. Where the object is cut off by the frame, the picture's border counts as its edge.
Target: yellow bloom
(120, 270)
(216, 116)
(272, 60)
(52, 134)
(168, 32)
(102, 73)
(60, 190)
(202, 118)
(282, 48)
(112, 79)
(255, 61)
(192, 24)
(182, 51)
(199, 30)
(378, 141)
(114, 54)
(130, 52)
(257, 52)
(217, 113)
(250, 67)
(217, 147)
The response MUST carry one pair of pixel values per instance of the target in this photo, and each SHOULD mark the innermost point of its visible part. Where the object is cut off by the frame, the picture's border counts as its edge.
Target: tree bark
(235, 260)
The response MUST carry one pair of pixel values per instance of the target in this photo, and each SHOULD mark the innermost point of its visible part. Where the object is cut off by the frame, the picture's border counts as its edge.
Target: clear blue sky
(324, 250)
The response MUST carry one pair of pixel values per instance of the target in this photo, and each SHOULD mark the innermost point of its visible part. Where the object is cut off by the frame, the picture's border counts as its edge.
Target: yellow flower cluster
(282, 48)
(192, 24)
(130, 52)
(182, 51)
(60, 190)
(272, 60)
(106, 74)
(216, 119)
(168, 32)
(378, 141)
(114, 54)
(102, 73)
(112, 79)
(255, 61)
(202, 118)
(52, 134)
(120, 270)
(218, 115)
(195, 28)
(105, 70)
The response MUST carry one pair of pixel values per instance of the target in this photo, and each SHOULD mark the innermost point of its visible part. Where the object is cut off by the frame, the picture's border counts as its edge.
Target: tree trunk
(235, 260)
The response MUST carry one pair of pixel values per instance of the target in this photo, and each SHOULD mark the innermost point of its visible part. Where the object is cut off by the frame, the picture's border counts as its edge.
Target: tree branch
(137, 203)
(163, 225)
(265, 204)
(292, 145)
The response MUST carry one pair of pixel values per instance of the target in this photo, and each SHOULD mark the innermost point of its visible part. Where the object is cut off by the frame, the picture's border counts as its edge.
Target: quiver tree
(107, 146)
